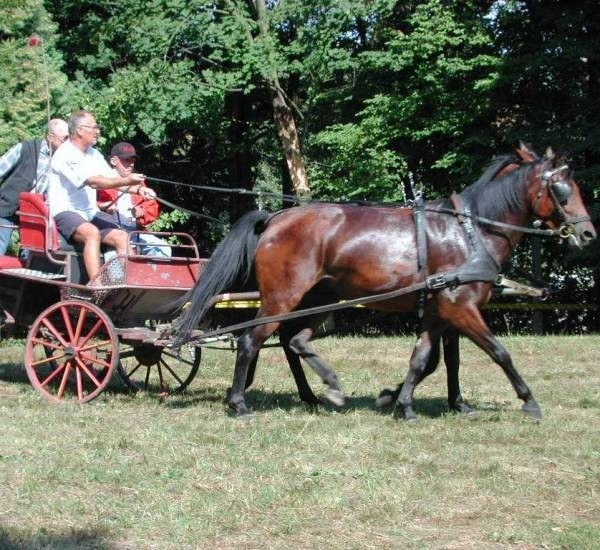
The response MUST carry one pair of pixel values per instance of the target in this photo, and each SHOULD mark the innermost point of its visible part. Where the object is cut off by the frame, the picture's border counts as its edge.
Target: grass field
(139, 472)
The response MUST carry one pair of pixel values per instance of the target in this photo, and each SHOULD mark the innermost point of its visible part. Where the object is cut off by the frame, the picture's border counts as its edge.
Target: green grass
(140, 472)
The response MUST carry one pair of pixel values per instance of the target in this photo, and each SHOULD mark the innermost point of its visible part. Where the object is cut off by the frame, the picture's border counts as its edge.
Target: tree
(422, 102)
(32, 86)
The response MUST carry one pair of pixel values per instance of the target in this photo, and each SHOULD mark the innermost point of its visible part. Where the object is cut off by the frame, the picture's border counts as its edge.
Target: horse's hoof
(312, 401)
(336, 397)
(241, 411)
(407, 415)
(532, 410)
(385, 398)
(462, 407)
(245, 414)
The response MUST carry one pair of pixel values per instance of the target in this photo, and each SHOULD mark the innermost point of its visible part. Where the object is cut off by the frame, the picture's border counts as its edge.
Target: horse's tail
(232, 261)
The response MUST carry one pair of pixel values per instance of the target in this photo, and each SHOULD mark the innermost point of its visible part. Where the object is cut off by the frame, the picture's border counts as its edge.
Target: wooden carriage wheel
(157, 370)
(71, 352)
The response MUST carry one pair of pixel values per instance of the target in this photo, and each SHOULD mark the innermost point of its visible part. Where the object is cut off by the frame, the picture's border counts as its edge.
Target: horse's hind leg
(470, 322)
(251, 371)
(286, 332)
(304, 390)
(248, 346)
(452, 360)
(301, 346)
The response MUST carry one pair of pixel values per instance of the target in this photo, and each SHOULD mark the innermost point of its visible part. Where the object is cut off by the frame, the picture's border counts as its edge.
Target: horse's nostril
(588, 236)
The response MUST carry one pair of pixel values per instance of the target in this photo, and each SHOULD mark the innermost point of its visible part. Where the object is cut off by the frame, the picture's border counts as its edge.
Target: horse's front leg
(420, 359)
(452, 361)
(387, 396)
(470, 322)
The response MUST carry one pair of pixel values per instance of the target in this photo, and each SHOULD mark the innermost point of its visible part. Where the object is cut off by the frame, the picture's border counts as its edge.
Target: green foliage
(443, 69)
(170, 221)
(32, 86)
(359, 166)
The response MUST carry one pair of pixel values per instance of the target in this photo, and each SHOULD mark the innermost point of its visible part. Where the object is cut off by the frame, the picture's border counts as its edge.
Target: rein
(566, 229)
(236, 190)
(504, 225)
(191, 212)
(563, 232)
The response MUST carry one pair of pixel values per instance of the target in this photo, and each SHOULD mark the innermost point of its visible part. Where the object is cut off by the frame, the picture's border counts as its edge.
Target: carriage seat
(37, 230)
(10, 262)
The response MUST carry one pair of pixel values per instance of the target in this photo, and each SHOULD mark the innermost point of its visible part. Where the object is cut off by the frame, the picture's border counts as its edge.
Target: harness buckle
(437, 281)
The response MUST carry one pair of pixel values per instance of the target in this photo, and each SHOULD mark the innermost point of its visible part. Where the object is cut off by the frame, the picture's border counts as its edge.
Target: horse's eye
(561, 191)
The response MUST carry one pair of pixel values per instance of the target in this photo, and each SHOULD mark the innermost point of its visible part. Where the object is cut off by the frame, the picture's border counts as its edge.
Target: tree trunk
(284, 117)
(290, 143)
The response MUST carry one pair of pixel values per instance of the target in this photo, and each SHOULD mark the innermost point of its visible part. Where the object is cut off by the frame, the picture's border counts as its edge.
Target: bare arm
(110, 182)
(132, 184)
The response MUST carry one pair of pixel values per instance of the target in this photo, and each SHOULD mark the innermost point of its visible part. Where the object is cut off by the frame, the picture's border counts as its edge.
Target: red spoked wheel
(71, 351)
(161, 371)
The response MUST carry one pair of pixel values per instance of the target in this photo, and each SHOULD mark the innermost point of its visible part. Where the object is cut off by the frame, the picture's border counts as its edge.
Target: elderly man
(24, 167)
(77, 171)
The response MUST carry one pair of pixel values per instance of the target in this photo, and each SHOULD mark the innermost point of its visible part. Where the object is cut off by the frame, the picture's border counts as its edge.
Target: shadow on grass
(260, 400)
(12, 538)
(15, 373)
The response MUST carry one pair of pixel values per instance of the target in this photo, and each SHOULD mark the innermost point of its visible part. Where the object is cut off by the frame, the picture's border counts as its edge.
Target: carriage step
(33, 273)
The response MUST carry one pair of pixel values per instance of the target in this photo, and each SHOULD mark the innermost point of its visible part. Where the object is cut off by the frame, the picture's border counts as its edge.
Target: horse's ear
(525, 153)
(549, 153)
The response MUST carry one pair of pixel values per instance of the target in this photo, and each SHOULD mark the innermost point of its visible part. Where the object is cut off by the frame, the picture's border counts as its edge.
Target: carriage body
(79, 334)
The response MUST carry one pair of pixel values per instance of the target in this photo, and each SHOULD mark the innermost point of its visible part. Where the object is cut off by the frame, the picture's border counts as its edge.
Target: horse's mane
(490, 197)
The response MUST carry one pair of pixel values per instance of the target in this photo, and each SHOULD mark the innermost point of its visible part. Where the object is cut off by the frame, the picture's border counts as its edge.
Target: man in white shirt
(77, 170)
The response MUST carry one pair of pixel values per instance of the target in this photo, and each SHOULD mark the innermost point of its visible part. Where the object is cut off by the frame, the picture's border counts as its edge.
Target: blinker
(561, 191)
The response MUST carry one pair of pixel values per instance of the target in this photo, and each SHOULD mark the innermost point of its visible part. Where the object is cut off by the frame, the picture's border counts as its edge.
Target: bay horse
(499, 167)
(320, 253)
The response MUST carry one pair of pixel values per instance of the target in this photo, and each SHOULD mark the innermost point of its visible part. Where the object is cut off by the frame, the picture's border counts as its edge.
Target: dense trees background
(350, 98)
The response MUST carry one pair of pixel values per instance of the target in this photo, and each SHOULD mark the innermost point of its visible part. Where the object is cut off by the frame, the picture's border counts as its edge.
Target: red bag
(150, 207)
(150, 210)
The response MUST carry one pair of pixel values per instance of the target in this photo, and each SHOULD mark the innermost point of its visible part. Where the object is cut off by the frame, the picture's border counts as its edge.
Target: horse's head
(556, 201)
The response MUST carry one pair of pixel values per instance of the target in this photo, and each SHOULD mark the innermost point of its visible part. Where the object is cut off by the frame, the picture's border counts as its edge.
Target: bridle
(560, 191)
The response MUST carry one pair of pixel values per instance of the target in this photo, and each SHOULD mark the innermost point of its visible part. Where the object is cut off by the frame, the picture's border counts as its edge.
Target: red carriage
(79, 335)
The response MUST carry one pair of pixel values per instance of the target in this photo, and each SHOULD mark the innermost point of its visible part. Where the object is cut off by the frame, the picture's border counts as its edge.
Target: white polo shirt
(124, 203)
(70, 168)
